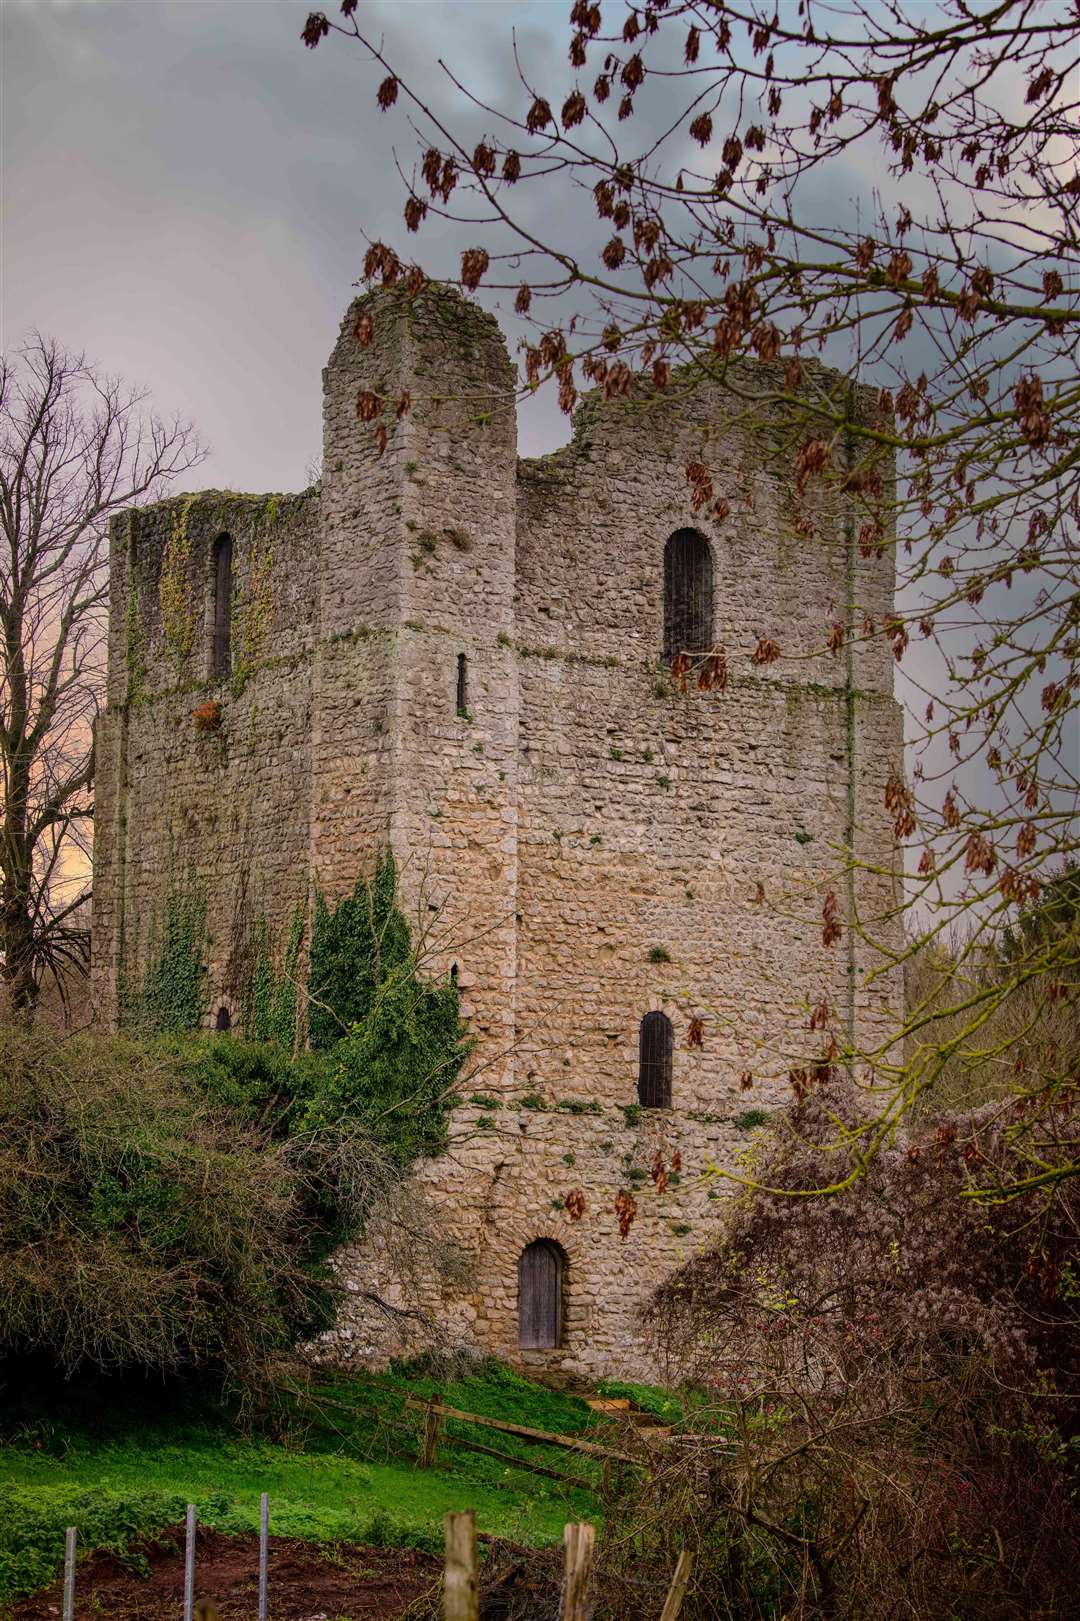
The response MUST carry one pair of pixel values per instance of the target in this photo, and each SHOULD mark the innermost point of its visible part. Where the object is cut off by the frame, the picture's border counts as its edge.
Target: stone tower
(462, 654)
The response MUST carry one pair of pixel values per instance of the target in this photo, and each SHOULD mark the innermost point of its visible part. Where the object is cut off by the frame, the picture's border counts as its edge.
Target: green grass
(342, 1467)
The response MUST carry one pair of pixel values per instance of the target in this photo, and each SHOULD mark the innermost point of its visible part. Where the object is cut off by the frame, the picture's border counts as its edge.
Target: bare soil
(307, 1581)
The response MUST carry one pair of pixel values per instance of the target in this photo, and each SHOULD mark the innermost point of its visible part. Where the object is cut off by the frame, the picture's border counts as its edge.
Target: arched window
(222, 652)
(540, 1290)
(657, 1042)
(462, 684)
(688, 606)
(223, 1020)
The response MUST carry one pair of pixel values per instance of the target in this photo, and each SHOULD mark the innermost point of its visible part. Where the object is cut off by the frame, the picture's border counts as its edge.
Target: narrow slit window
(222, 648)
(688, 595)
(657, 1043)
(541, 1268)
(462, 684)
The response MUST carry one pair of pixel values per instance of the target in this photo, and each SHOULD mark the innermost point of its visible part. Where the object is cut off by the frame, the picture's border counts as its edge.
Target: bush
(148, 1223)
(906, 1363)
(33, 1521)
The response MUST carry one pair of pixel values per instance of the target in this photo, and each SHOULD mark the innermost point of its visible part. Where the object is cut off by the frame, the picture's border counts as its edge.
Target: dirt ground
(306, 1582)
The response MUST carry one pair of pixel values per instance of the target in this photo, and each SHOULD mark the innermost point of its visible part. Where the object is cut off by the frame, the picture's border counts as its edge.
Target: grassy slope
(344, 1470)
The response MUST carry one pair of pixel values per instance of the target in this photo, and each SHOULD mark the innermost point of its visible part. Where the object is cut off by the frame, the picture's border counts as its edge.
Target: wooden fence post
(69, 1573)
(460, 1600)
(264, 1550)
(189, 1563)
(579, 1538)
(677, 1591)
(429, 1446)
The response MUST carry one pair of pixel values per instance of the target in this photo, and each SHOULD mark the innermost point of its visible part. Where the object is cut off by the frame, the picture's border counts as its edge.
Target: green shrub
(33, 1521)
(396, 1071)
(147, 1224)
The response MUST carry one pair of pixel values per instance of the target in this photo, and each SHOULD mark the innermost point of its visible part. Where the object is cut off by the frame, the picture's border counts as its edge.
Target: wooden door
(540, 1286)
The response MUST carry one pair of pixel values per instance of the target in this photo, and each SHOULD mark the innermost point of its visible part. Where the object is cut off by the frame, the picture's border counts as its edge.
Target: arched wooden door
(540, 1292)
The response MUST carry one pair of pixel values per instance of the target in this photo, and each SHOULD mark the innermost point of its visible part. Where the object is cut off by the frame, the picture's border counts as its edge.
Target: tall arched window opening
(688, 595)
(462, 684)
(541, 1268)
(222, 649)
(223, 1020)
(657, 1043)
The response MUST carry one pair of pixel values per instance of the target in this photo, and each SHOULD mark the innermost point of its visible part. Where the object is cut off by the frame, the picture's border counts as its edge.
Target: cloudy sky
(188, 193)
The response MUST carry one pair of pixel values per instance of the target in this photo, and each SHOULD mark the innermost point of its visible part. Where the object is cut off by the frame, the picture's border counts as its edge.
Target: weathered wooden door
(540, 1287)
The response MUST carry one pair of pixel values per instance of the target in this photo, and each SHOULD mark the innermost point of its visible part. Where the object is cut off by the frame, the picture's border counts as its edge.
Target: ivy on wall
(179, 609)
(395, 1037)
(354, 946)
(173, 993)
(271, 1008)
(252, 617)
(388, 1042)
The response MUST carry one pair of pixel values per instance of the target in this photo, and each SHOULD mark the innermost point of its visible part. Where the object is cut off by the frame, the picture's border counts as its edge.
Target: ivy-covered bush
(152, 1221)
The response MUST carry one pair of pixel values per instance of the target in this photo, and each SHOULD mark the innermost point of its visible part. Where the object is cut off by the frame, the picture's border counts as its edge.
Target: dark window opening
(688, 595)
(222, 651)
(453, 973)
(223, 1020)
(462, 684)
(654, 1069)
(540, 1296)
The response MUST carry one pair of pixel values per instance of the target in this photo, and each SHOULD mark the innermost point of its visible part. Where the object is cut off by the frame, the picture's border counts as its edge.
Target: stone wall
(220, 812)
(583, 843)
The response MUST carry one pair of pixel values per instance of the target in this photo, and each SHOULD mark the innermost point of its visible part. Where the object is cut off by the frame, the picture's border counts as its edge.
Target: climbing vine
(395, 1037)
(172, 997)
(179, 610)
(252, 618)
(271, 1013)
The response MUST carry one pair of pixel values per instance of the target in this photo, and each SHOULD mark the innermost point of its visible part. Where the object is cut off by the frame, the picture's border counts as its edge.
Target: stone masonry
(583, 844)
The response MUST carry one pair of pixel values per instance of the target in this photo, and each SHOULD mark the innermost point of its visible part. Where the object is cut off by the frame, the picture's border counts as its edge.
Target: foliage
(999, 1020)
(148, 1224)
(176, 598)
(355, 945)
(110, 1461)
(75, 449)
(33, 1522)
(394, 1040)
(907, 1371)
(272, 1010)
(397, 1070)
(720, 194)
(173, 995)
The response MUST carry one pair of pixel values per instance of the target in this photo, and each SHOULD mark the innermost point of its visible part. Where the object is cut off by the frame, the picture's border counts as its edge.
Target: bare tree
(75, 446)
(895, 187)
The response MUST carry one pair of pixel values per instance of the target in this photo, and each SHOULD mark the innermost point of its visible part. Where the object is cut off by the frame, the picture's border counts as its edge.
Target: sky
(188, 194)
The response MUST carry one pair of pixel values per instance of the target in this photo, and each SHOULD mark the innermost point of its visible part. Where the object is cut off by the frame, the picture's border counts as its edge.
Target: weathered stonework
(580, 823)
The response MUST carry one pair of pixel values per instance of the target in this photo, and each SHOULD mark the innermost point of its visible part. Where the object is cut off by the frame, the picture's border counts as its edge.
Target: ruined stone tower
(466, 656)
